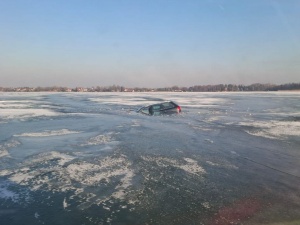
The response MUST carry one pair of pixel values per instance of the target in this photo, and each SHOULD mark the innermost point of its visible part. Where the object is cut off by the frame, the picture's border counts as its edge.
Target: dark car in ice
(164, 108)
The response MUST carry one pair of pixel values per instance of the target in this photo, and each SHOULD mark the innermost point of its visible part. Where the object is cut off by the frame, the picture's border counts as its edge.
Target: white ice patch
(136, 124)
(21, 177)
(6, 146)
(140, 99)
(60, 158)
(100, 139)
(5, 172)
(17, 104)
(90, 174)
(65, 204)
(23, 109)
(80, 177)
(273, 129)
(206, 205)
(3, 152)
(7, 194)
(212, 164)
(202, 128)
(209, 141)
(36, 215)
(190, 166)
(125, 183)
(48, 133)
(213, 119)
(223, 164)
(26, 113)
(123, 101)
(280, 112)
(205, 102)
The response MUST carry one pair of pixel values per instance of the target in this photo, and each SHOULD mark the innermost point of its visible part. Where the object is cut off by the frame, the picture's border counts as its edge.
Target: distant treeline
(196, 88)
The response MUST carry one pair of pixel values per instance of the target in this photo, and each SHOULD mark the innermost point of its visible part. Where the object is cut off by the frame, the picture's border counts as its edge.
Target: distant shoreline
(282, 91)
(295, 87)
(289, 90)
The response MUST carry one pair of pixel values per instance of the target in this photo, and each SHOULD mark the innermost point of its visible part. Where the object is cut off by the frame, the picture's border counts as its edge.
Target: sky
(148, 43)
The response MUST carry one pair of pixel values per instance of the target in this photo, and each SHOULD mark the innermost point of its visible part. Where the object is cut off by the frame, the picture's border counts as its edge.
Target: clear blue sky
(148, 43)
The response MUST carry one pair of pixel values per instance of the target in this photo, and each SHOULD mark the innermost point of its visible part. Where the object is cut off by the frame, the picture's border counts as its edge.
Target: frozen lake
(89, 158)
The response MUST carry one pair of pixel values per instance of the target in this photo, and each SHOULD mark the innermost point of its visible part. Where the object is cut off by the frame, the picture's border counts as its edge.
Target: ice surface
(177, 169)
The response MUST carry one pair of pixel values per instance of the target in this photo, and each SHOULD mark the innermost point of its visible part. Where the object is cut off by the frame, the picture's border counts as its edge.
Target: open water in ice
(89, 158)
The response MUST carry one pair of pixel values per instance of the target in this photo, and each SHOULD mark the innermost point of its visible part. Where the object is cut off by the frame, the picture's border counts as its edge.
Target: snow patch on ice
(273, 129)
(36, 215)
(190, 166)
(26, 113)
(206, 205)
(3, 152)
(212, 164)
(130, 100)
(84, 179)
(202, 128)
(209, 141)
(21, 178)
(60, 158)
(280, 112)
(7, 145)
(48, 133)
(8, 194)
(204, 101)
(100, 139)
(5, 172)
(65, 204)
(140, 99)
(222, 164)
(17, 104)
(125, 183)
(91, 174)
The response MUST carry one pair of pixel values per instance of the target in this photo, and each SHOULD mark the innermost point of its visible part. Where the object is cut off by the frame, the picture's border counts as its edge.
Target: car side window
(145, 110)
(156, 107)
(167, 105)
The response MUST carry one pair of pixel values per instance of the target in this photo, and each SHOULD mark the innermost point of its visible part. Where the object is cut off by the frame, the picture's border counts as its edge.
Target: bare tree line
(196, 88)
